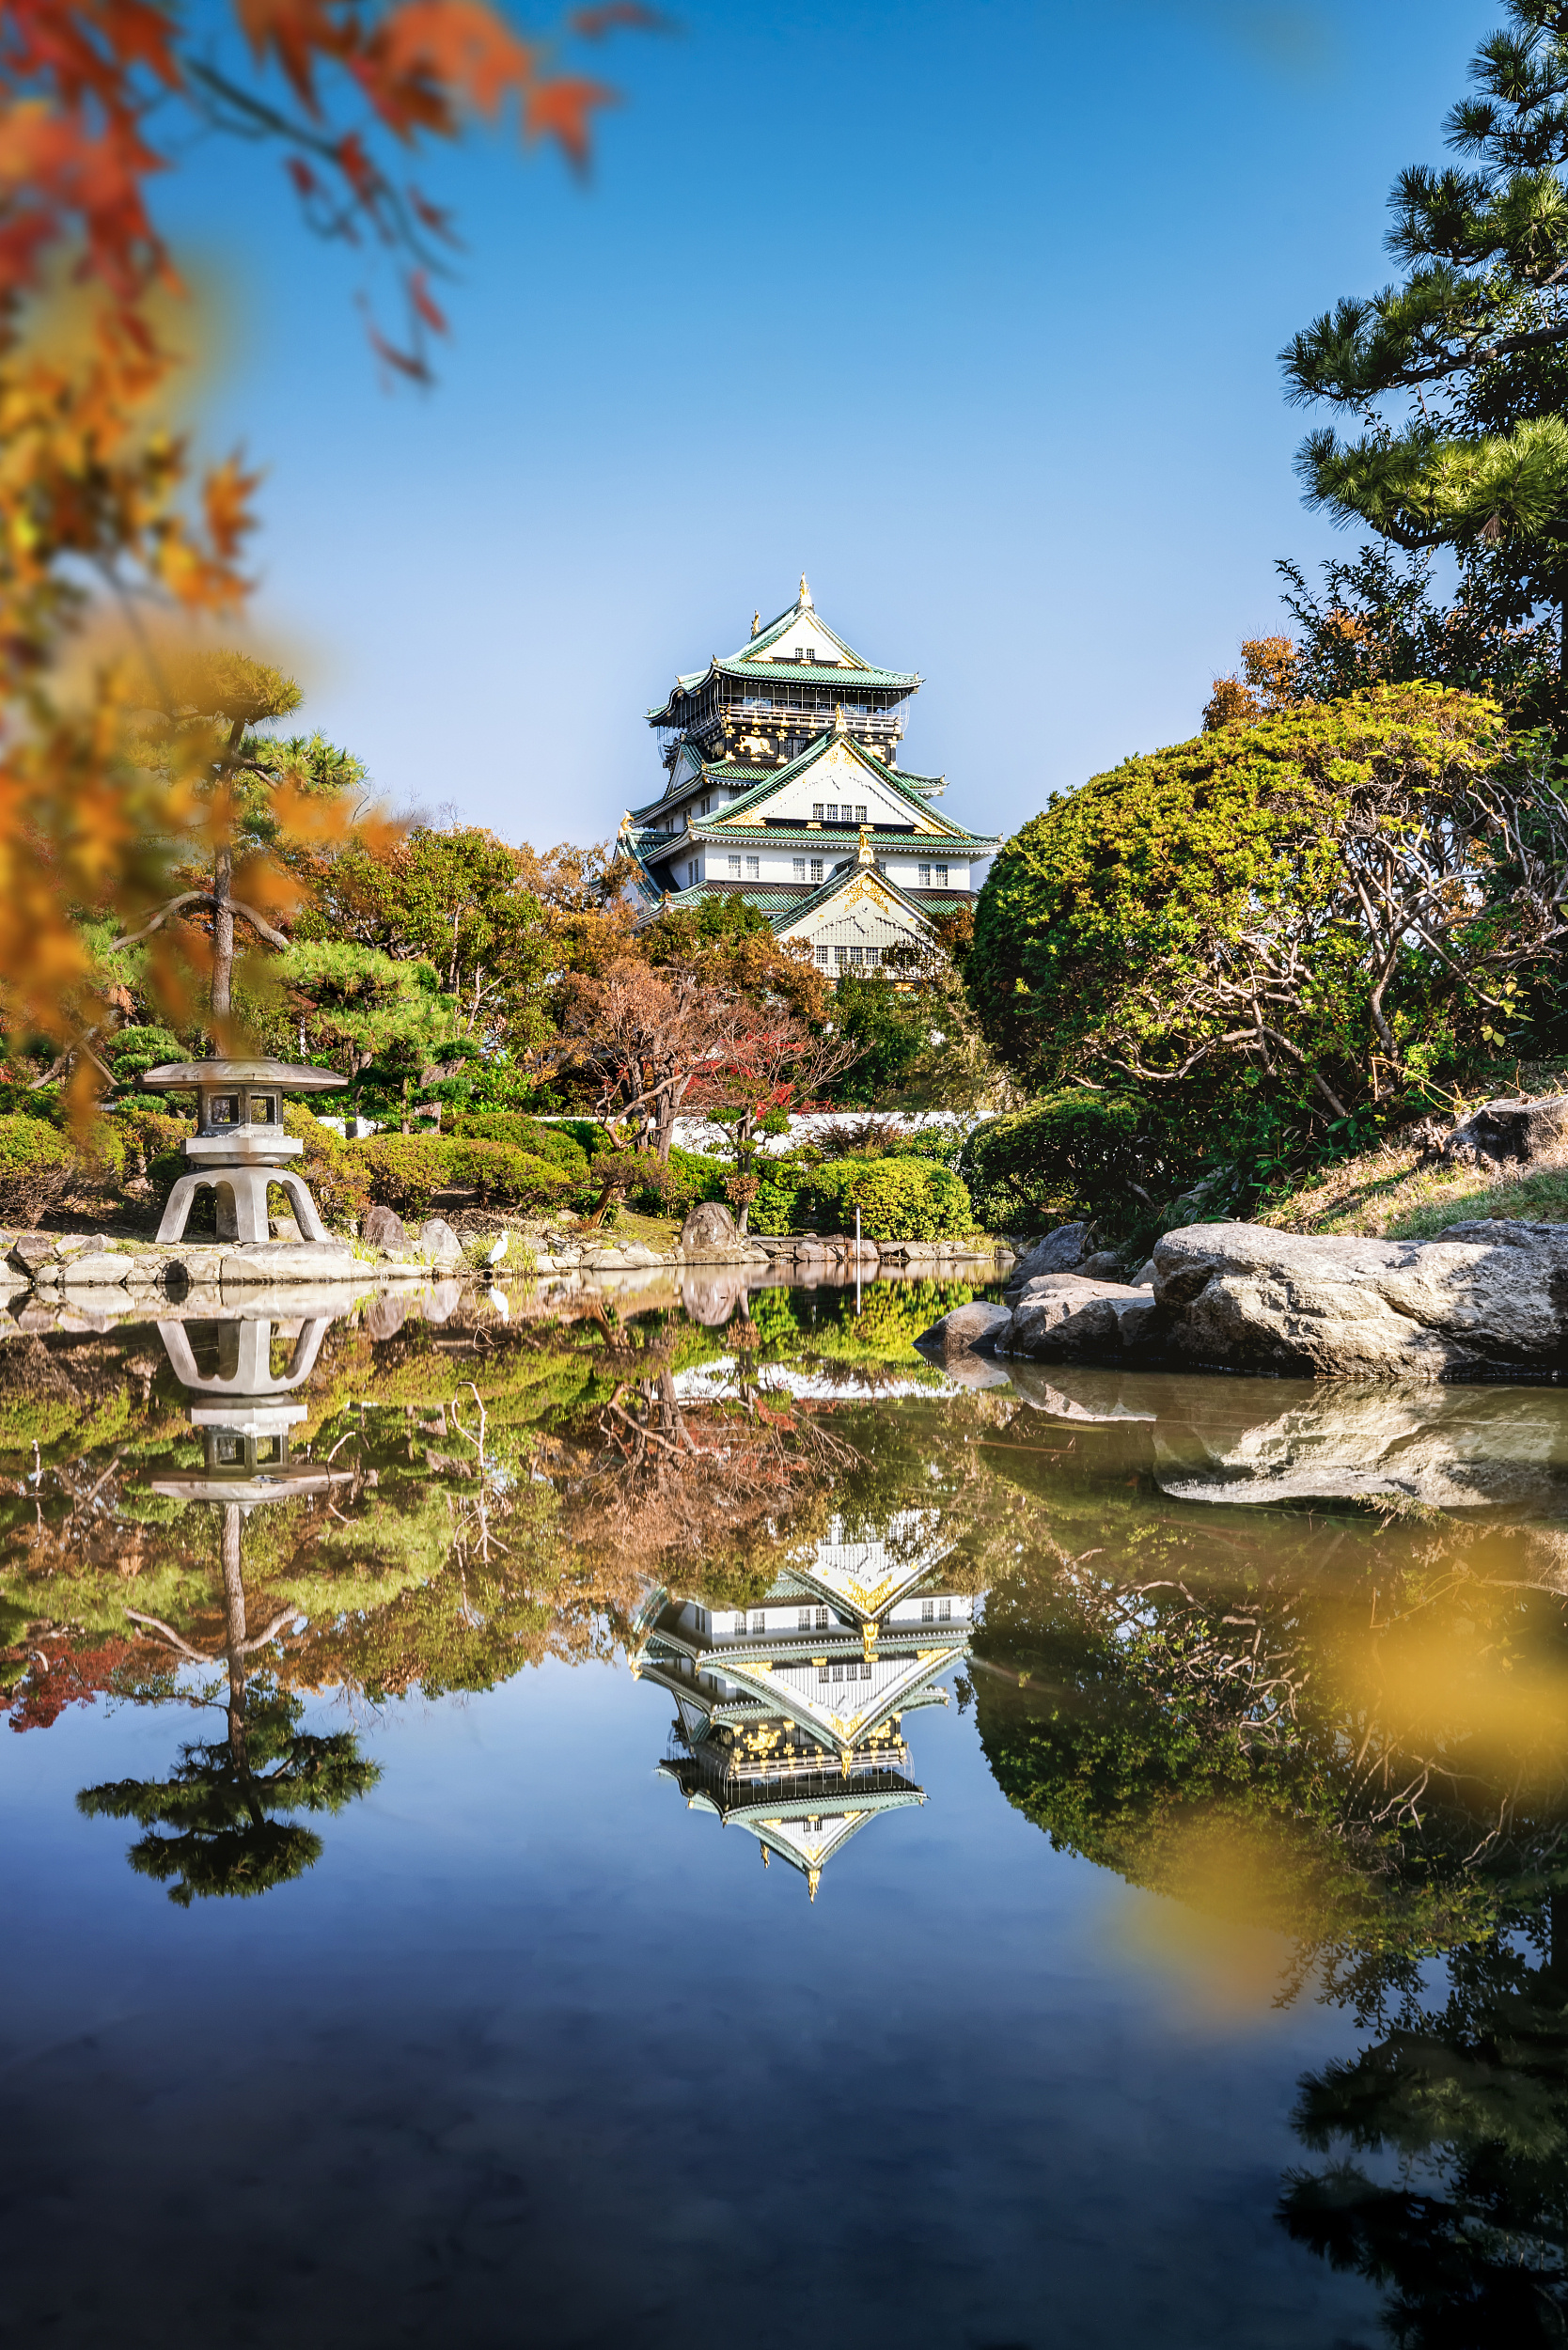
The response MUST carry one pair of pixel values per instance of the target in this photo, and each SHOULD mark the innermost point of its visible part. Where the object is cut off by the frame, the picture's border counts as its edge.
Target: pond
(585, 1826)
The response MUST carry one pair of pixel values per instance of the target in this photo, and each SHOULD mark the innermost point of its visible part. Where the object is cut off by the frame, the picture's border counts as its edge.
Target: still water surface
(581, 1831)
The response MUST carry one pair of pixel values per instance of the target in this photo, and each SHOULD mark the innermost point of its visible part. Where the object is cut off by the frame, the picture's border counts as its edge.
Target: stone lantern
(240, 1147)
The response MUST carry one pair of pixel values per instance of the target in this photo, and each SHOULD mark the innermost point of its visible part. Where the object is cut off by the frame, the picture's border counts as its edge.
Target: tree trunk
(234, 1617)
(223, 933)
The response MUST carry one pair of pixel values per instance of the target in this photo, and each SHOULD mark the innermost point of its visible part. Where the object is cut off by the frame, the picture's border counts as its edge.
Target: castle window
(838, 1672)
(873, 954)
(690, 873)
(798, 867)
(740, 1620)
(817, 811)
(833, 811)
(925, 877)
(759, 1620)
(803, 1619)
(753, 869)
(841, 957)
(810, 654)
(857, 954)
(860, 811)
(822, 1673)
(945, 1613)
(928, 1610)
(822, 958)
(816, 868)
(734, 864)
(821, 1620)
(941, 877)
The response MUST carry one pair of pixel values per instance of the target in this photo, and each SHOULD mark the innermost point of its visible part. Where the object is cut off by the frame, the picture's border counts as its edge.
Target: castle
(783, 786)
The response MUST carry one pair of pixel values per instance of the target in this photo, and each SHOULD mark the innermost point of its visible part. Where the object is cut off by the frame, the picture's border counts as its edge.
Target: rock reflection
(789, 1719)
(222, 1823)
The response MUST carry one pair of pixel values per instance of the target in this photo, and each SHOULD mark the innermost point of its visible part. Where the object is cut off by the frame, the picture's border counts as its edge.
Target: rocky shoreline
(1482, 1301)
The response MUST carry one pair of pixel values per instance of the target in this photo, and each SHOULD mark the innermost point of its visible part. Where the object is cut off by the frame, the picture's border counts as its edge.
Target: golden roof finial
(813, 1878)
(756, 624)
(806, 603)
(841, 724)
(864, 857)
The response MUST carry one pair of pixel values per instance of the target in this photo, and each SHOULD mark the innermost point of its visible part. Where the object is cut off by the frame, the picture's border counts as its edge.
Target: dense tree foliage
(1459, 373)
(1331, 910)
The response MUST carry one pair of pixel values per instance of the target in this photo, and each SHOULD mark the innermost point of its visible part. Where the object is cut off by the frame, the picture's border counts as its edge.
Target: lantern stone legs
(241, 1202)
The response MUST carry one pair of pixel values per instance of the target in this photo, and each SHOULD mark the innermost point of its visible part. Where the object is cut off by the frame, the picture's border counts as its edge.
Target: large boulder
(1061, 1251)
(1491, 1296)
(709, 1237)
(384, 1227)
(1065, 1317)
(967, 1330)
(1510, 1133)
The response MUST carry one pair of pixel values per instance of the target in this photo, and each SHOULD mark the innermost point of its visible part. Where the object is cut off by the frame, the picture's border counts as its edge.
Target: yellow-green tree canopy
(1336, 904)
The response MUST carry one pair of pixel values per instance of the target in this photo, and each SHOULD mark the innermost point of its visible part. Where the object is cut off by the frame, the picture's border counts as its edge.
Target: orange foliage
(1266, 684)
(94, 96)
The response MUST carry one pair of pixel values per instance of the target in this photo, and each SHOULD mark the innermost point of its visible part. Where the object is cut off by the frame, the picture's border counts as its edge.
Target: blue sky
(968, 311)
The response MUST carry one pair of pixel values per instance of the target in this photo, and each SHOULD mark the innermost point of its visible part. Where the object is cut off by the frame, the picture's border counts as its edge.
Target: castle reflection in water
(789, 1719)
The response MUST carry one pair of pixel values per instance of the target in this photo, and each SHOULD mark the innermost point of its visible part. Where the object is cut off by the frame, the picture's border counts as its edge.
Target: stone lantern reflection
(240, 1149)
(237, 1403)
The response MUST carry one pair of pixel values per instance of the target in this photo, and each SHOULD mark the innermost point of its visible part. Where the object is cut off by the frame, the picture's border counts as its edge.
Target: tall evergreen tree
(1460, 372)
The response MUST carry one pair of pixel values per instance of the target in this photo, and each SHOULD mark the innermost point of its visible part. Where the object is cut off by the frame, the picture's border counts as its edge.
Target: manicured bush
(404, 1172)
(898, 1199)
(339, 1181)
(36, 1164)
(1077, 1152)
(550, 1143)
(503, 1175)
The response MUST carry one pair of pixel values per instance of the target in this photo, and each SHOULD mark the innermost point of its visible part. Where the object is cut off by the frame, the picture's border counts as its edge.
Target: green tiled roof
(776, 778)
(773, 673)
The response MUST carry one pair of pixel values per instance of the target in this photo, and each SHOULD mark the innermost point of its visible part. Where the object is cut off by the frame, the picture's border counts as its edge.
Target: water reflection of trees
(222, 1822)
(1463, 2109)
(1351, 1729)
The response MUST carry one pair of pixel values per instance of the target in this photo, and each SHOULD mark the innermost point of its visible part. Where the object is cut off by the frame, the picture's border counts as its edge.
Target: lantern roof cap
(289, 1076)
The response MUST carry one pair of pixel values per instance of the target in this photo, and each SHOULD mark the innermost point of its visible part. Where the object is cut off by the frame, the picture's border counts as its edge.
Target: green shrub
(404, 1172)
(898, 1199)
(337, 1181)
(37, 1164)
(501, 1173)
(1077, 1152)
(550, 1143)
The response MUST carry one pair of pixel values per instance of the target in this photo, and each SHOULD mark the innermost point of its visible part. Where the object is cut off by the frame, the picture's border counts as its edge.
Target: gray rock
(1144, 1277)
(441, 1303)
(99, 1266)
(1061, 1251)
(1242, 1297)
(284, 1227)
(1105, 1265)
(29, 1250)
(384, 1227)
(1509, 1132)
(438, 1243)
(708, 1225)
(971, 1330)
(1064, 1317)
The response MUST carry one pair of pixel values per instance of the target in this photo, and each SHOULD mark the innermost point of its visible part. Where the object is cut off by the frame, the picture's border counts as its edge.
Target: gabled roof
(918, 910)
(774, 780)
(755, 660)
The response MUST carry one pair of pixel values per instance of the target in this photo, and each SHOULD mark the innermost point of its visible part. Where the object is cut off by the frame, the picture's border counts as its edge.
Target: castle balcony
(803, 715)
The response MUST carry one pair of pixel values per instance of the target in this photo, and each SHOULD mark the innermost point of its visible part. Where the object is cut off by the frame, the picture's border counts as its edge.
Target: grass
(1394, 1194)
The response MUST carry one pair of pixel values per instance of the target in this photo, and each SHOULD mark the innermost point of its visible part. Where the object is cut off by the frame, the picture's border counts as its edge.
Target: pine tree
(1460, 372)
